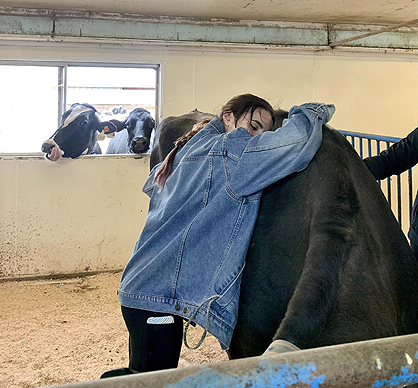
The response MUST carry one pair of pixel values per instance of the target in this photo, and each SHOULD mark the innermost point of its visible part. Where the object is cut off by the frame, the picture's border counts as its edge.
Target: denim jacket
(189, 258)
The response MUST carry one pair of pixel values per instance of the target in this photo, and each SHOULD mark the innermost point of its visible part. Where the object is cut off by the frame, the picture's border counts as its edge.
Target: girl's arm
(396, 159)
(272, 156)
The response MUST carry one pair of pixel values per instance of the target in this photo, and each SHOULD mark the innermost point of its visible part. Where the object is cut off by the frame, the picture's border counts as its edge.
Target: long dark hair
(238, 106)
(244, 103)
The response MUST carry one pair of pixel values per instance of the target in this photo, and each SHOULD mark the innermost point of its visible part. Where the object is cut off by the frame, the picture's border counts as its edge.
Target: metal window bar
(377, 153)
(373, 141)
(410, 190)
(388, 180)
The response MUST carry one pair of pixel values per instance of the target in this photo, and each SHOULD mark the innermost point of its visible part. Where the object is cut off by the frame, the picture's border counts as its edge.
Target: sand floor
(68, 330)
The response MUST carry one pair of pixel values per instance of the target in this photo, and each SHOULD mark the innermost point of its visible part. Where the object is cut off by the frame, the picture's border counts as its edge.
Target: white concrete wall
(70, 216)
(85, 214)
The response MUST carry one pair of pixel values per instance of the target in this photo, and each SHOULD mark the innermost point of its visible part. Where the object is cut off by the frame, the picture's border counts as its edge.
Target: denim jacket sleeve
(271, 156)
(149, 183)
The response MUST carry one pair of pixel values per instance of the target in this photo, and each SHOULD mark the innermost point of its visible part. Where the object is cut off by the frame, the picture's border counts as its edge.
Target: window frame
(62, 87)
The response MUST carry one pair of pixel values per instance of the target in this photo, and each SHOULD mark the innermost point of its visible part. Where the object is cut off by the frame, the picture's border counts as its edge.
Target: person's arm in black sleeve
(396, 159)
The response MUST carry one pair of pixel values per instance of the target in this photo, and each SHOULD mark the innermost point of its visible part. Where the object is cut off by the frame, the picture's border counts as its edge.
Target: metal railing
(386, 362)
(370, 145)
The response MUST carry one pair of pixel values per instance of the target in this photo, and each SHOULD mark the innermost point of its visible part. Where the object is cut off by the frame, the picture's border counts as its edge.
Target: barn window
(28, 101)
(33, 98)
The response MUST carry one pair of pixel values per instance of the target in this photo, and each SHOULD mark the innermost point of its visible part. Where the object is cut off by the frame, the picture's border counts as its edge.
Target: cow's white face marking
(55, 153)
(51, 141)
(74, 114)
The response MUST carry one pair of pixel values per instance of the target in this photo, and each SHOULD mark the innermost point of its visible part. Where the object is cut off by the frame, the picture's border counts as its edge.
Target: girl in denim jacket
(204, 200)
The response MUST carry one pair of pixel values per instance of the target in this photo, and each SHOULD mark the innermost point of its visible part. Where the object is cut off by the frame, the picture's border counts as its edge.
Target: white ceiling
(381, 12)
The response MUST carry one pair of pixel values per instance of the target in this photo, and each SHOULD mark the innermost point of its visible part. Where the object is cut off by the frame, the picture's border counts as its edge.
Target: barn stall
(80, 217)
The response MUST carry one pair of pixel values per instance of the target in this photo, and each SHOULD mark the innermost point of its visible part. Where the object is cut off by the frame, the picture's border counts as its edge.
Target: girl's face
(259, 123)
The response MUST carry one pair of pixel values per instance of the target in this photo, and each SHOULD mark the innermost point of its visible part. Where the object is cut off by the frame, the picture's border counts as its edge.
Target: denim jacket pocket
(229, 288)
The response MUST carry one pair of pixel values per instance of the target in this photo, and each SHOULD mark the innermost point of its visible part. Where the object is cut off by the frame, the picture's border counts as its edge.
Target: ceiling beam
(372, 33)
(55, 25)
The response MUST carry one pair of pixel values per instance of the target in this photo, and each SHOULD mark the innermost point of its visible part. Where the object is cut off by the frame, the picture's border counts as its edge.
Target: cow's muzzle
(52, 150)
(139, 145)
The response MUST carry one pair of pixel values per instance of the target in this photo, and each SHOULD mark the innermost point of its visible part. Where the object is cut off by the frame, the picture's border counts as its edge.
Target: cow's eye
(128, 125)
(84, 123)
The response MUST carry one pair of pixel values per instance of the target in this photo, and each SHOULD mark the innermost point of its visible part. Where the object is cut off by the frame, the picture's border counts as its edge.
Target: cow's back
(169, 130)
(328, 262)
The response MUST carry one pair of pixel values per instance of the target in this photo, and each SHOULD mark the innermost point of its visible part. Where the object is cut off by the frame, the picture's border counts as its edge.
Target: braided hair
(167, 166)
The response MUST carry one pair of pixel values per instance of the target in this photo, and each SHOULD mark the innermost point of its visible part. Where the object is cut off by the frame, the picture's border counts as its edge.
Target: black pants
(152, 346)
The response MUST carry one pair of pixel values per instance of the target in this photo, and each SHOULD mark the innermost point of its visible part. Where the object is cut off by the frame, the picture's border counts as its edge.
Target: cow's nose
(140, 144)
(47, 147)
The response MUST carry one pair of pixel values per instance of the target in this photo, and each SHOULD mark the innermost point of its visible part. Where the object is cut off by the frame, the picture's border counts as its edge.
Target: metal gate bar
(376, 140)
(387, 362)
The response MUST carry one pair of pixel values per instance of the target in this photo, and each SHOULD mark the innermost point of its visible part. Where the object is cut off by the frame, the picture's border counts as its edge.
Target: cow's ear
(111, 126)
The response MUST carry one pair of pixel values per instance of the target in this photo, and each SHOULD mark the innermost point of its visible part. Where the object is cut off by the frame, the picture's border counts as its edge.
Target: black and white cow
(77, 133)
(328, 262)
(136, 138)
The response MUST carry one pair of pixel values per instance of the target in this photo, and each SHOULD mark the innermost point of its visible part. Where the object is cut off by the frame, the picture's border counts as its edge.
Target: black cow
(77, 133)
(136, 138)
(170, 129)
(328, 262)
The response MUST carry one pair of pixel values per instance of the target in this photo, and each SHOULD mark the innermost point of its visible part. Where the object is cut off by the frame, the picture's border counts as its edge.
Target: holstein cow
(136, 138)
(77, 133)
(328, 262)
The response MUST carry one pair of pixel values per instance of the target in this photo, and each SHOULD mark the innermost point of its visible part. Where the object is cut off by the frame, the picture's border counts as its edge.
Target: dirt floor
(60, 331)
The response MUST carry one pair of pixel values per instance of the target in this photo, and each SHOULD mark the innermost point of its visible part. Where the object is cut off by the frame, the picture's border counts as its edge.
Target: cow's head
(77, 133)
(139, 125)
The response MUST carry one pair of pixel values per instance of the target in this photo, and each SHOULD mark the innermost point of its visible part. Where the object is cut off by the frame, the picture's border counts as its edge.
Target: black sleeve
(396, 159)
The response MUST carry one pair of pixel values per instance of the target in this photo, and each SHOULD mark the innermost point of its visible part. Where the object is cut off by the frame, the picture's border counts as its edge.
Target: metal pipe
(371, 137)
(387, 362)
(410, 193)
(399, 201)
(389, 190)
(378, 153)
(372, 33)
(388, 140)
